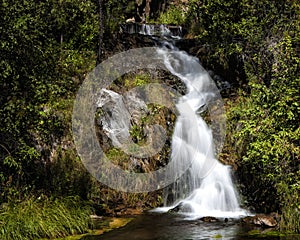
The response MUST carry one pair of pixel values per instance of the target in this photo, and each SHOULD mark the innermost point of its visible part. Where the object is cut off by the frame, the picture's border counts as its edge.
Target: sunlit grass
(43, 218)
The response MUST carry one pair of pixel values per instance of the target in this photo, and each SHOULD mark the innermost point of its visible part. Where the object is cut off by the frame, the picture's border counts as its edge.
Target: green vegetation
(217, 236)
(137, 80)
(44, 218)
(43, 54)
(254, 44)
(101, 226)
(48, 47)
(174, 15)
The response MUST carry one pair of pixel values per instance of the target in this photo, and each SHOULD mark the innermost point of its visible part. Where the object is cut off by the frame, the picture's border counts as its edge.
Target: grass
(290, 217)
(41, 217)
(290, 220)
(106, 225)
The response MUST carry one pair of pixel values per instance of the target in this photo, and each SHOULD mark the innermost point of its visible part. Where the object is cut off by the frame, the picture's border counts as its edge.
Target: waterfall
(206, 189)
(152, 30)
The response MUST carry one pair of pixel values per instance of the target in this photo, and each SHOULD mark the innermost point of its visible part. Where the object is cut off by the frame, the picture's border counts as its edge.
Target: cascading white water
(207, 188)
(152, 30)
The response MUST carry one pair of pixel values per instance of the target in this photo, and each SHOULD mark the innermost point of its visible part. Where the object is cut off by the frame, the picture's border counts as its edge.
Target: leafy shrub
(174, 15)
(263, 118)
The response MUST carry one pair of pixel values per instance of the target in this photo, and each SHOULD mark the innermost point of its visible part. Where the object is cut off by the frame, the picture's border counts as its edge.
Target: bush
(174, 15)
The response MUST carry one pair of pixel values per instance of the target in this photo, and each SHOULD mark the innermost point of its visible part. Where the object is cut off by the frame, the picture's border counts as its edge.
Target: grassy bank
(41, 217)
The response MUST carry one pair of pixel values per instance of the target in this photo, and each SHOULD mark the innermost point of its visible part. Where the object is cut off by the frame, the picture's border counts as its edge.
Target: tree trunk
(101, 32)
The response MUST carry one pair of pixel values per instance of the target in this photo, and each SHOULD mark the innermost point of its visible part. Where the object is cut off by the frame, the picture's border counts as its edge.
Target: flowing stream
(206, 189)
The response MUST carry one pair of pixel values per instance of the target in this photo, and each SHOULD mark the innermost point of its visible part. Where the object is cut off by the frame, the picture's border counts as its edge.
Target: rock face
(263, 220)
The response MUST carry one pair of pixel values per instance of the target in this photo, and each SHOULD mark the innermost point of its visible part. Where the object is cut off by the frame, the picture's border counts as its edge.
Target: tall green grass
(290, 218)
(43, 218)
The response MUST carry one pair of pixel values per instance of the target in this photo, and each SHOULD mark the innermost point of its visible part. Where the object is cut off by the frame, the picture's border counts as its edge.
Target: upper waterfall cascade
(152, 29)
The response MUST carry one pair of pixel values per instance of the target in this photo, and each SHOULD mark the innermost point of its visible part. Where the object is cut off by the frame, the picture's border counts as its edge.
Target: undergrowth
(41, 217)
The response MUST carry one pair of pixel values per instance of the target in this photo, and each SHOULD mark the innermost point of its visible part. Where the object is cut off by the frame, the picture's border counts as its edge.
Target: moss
(137, 80)
(217, 236)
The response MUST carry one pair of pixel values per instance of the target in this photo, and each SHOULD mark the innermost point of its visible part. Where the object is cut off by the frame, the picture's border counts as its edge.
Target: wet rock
(209, 219)
(263, 220)
(247, 220)
(181, 207)
(266, 221)
(177, 208)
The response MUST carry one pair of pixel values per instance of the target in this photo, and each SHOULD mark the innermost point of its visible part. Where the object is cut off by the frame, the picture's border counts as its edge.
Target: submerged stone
(209, 219)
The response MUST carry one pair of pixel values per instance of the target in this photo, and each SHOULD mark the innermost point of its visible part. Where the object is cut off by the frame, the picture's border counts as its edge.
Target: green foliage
(72, 66)
(116, 12)
(266, 129)
(75, 23)
(118, 157)
(137, 80)
(290, 219)
(66, 176)
(258, 40)
(174, 15)
(43, 218)
(240, 34)
(46, 48)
